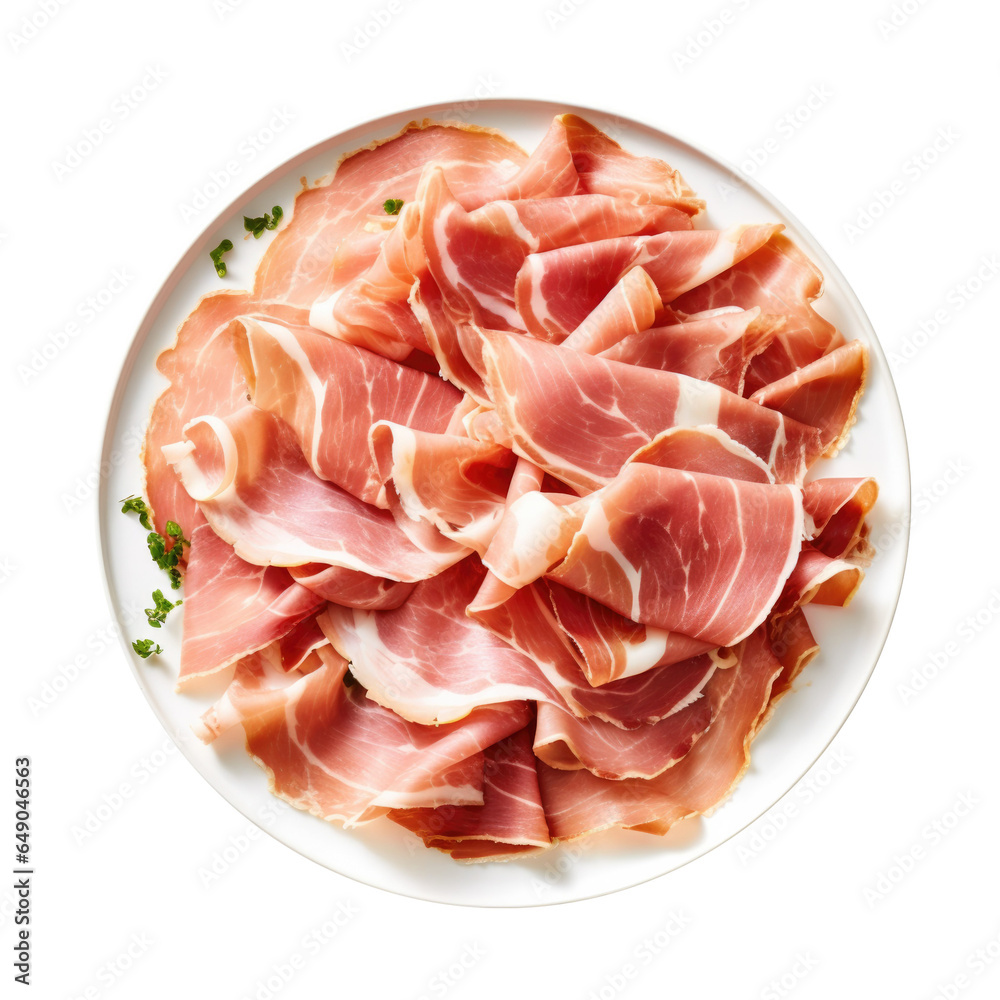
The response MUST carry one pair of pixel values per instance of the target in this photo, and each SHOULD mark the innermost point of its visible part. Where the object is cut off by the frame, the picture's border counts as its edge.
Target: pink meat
(557, 289)
(256, 490)
(716, 348)
(232, 608)
(700, 555)
(330, 393)
(333, 752)
(578, 802)
(782, 281)
(580, 418)
(511, 819)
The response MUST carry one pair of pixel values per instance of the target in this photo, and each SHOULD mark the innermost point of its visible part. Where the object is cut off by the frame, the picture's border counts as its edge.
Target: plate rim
(803, 236)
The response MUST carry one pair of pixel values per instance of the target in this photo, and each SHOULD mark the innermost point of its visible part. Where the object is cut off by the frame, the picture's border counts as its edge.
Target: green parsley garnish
(167, 559)
(157, 614)
(392, 206)
(145, 648)
(265, 221)
(220, 265)
(137, 505)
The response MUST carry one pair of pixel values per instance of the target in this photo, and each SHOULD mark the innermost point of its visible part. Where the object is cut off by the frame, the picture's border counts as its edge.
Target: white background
(877, 875)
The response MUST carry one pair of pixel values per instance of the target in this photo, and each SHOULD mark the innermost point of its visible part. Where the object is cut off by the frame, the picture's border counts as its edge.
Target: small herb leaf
(392, 206)
(146, 648)
(138, 506)
(220, 265)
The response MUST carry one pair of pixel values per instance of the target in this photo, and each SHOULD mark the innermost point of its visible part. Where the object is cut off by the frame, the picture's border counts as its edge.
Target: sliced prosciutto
(511, 820)
(820, 579)
(580, 418)
(454, 483)
(506, 490)
(823, 394)
(253, 485)
(569, 744)
(296, 267)
(372, 310)
(331, 393)
(703, 556)
(475, 257)
(716, 347)
(578, 802)
(837, 510)
(233, 608)
(613, 646)
(335, 753)
(782, 281)
(575, 157)
(260, 685)
(557, 289)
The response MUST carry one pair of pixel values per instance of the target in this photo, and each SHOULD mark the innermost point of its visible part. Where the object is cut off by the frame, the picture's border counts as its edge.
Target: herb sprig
(258, 225)
(392, 206)
(162, 606)
(220, 265)
(168, 559)
(137, 505)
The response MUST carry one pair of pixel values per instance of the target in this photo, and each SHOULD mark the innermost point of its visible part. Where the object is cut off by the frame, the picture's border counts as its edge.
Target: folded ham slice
(232, 607)
(331, 393)
(578, 802)
(782, 281)
(253, 485)
(580, 418)
(715, 347)
(335, 753)
(557, 289)
(511, 820)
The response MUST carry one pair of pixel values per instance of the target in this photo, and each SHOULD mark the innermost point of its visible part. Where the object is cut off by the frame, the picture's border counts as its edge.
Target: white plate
(382, 854)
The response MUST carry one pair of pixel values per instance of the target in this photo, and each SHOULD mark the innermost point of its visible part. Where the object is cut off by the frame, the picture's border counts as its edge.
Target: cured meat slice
(335, 753)
(330, 393)
(446, 339)
(704, 449)
(575, 157)
(296, 266)
(612, 646)
(455, 484)
(700, 555)
(474, 257)
(837, 509)
(568, 744)
(793, 644)
(823, 394)
(260, 684)
(372, 309)
(819, 579)
(523, 618)
(578, 802)
(351, 587)
(580, 417)
(204, 377)
(428, 662)
(629, 309)
(782, 281)
(557, 289)
(511, 815)
(256, 490)
(232, 608)
(717, 347)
